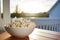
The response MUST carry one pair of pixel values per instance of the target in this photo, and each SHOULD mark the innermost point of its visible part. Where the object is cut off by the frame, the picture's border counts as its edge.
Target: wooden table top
(37, 34)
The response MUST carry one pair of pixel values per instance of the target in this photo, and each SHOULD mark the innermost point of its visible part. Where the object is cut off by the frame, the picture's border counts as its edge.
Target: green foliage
(41, 14)
(15, 15)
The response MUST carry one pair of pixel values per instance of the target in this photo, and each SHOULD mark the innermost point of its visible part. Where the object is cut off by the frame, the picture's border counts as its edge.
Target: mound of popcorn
(20, 22)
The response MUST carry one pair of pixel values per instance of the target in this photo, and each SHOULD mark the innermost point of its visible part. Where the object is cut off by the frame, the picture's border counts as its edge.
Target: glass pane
(30, 8)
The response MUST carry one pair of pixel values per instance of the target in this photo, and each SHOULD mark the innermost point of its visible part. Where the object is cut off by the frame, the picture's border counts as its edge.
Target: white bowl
(19, 32)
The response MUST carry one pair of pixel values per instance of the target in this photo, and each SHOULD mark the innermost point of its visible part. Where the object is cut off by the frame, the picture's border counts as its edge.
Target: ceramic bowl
(20, 32)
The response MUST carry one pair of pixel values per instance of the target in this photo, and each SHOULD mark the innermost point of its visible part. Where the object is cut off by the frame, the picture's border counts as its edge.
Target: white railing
(48, 24)
(53, 27)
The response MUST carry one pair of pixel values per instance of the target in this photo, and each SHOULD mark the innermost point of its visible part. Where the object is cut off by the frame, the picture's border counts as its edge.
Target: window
(30, 8)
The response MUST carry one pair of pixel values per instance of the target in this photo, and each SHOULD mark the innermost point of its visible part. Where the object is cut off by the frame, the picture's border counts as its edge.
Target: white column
(1, 20)
(0, 9)
(6, 10)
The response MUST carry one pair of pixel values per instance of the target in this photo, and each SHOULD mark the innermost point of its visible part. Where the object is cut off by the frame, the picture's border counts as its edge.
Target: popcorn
(20, 22)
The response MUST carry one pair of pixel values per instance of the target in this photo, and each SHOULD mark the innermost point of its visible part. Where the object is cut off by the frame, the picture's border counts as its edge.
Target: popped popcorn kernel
(20, 22)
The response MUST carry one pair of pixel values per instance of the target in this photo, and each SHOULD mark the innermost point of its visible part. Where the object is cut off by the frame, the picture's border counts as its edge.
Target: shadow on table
(1, 31)
(14, 38)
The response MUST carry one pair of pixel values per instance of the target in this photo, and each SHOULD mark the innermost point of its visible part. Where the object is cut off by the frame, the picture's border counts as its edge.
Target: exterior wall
(55, 11)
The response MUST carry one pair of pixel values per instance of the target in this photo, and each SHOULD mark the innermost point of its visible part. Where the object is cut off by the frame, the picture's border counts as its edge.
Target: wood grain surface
(37, 34)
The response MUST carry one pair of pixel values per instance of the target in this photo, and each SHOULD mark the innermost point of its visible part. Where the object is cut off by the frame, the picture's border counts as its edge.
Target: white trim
(6, 10)
(39, 19)
(0, 9)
